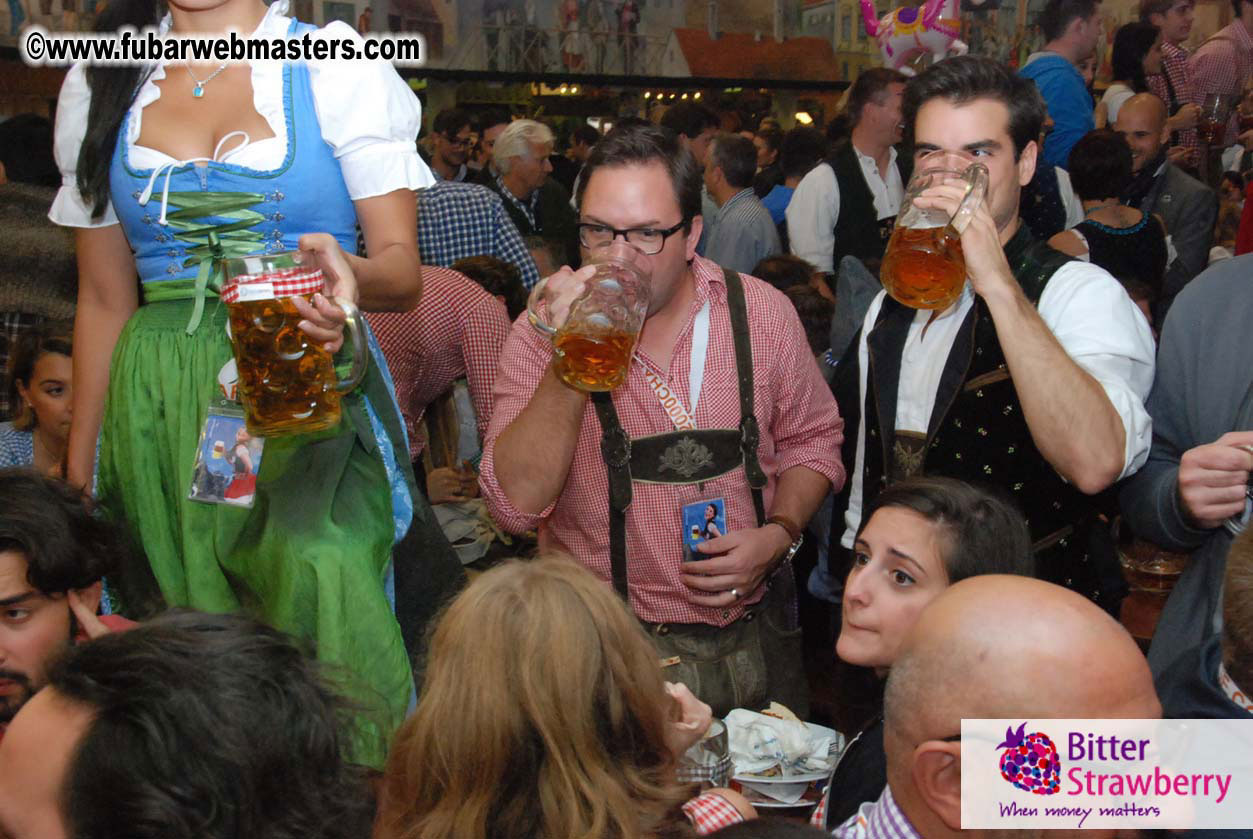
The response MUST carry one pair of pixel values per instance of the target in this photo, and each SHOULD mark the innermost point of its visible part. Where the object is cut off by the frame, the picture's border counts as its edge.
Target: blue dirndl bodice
(213, 210)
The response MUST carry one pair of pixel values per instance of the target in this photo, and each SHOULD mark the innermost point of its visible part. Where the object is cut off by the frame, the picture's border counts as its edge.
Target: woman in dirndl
(167, 169)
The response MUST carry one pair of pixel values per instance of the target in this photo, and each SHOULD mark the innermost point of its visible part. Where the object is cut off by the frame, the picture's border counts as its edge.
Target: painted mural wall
(628, 37)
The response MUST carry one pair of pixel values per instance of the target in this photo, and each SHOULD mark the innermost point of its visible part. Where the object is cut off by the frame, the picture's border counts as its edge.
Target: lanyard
(670, 401)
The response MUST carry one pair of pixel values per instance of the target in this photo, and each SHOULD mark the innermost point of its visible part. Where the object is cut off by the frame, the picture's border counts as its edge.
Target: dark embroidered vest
(858, 230)
(977, 430)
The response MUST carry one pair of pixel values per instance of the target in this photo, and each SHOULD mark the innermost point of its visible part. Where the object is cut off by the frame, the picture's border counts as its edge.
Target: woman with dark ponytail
(167, 169)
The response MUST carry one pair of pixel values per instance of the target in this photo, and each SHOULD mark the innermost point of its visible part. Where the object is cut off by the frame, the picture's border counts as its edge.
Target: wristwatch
(793, 530)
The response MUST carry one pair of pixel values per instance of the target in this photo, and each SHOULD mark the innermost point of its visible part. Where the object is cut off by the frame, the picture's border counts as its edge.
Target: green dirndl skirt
(309, 558)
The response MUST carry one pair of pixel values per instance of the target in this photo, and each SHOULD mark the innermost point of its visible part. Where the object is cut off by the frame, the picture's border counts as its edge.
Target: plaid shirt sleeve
(1175, 65)
(483, 340)
(511, 248)
(710, 812)
(1222, 65)
(819, 816)
(523, 362)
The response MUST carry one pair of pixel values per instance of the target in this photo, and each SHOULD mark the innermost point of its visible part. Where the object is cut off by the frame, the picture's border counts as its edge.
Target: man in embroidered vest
(723, 407)
(1033, 381)
(847, 205)
(951, 667)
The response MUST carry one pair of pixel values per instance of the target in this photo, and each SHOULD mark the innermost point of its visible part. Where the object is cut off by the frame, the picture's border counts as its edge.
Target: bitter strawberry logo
(1030, 761)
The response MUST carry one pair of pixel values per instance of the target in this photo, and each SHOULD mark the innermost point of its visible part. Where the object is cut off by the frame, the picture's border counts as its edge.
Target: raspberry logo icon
(1030, 761)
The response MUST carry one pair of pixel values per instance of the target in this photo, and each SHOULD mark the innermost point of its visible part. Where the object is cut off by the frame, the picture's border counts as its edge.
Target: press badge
(228, 458)
(702, 521)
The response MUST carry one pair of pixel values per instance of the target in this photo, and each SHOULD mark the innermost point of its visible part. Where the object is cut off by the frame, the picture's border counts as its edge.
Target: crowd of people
(472, 607)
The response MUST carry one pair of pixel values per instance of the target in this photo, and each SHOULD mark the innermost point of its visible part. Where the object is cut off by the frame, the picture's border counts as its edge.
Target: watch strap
(792, 528)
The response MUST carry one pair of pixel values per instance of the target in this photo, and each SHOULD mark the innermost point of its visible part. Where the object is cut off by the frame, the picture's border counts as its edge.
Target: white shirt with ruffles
(368, 115)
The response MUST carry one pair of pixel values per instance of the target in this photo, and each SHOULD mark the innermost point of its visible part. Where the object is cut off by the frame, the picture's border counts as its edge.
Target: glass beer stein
(1211, 125)
(287, 381)
(923, 267)
(593, 348)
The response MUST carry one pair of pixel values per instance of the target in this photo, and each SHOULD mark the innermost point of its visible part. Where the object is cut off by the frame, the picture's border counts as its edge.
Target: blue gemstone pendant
(198, 92)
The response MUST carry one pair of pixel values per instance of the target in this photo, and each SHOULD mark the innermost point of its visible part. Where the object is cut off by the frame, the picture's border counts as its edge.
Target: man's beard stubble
(10, 705)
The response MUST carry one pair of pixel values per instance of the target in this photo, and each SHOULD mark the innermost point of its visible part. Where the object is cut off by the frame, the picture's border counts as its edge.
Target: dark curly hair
(965, 78)
(47, 521)
(1099, 165)
(207, 726)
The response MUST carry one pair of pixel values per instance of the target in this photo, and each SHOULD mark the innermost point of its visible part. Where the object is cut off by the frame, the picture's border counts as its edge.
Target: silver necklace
(199, 90)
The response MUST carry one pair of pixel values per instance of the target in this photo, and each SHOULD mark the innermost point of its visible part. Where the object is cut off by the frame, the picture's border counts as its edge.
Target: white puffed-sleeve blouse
(368, 116)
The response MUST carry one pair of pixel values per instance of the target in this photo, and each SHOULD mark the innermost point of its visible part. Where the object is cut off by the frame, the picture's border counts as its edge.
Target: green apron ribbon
(210, 243)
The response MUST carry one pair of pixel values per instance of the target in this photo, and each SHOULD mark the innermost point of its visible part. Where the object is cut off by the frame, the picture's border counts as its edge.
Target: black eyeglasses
(460, 142)
(649, 240)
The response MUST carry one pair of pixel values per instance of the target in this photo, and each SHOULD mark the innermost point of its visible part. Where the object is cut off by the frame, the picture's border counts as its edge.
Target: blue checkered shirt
(527, 207)
(460, 220)
(741, 233)
(880, 819)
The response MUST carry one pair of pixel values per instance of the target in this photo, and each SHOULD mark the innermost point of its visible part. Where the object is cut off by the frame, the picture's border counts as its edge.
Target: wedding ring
(735, 593)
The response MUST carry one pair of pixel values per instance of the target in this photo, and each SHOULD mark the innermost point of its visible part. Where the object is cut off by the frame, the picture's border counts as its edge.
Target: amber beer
(287, 382)
(593, 361)
(924, 268)
(1210, 131)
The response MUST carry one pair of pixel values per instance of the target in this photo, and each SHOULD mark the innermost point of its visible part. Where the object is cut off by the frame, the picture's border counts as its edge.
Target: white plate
(779, 805)
(837, 746)
(808, 778)
(759, 799)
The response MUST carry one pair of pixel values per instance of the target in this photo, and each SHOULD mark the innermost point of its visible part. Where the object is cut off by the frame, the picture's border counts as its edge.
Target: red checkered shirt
(710, 812)
(1175, 65)
(800, 426)
(818, 818)
(1223, 64)
(458, 329)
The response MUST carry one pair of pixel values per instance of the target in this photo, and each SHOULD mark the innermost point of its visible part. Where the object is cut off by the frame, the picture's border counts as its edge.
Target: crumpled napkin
(759, 743)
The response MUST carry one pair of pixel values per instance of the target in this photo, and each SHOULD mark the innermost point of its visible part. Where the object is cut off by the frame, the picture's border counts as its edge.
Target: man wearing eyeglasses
(452, 135)
(723, 402)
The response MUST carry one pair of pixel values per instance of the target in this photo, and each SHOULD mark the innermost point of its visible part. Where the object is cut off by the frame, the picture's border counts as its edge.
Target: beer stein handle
(976, 189)
(360, 351)
(532, 310)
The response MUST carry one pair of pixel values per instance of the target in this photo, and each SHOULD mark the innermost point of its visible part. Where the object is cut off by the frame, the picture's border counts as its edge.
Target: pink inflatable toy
(905, 32)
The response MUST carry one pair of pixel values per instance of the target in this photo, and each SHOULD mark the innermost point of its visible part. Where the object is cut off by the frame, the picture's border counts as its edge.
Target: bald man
(1187, 206)
(951, 666)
